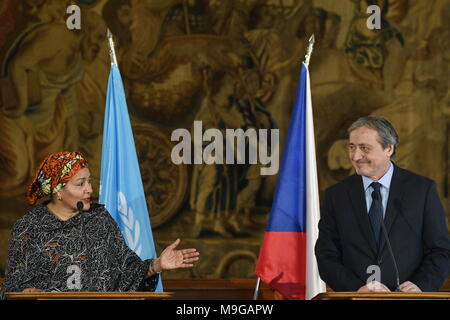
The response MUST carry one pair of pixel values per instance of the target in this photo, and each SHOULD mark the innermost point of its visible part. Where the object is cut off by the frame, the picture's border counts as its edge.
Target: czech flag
(286, 261)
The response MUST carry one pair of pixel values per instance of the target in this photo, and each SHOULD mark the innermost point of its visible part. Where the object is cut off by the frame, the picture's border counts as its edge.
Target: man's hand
(408, 286)
(374, 286)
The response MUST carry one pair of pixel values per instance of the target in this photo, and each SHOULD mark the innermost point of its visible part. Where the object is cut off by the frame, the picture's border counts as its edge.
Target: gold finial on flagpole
(309, 50)
(112, 52)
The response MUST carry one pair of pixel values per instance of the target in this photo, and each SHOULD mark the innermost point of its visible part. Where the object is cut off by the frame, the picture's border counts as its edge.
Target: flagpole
(309, 51)
(255, 294)
(112, 51)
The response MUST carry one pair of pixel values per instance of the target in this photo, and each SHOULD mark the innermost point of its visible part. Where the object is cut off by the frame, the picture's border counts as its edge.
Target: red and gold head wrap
(53, 174)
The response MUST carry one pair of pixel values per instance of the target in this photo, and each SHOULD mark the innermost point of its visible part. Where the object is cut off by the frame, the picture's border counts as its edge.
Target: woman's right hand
(30, 290)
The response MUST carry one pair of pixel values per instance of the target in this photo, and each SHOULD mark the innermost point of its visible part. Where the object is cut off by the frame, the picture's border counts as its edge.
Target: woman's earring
(59, 197)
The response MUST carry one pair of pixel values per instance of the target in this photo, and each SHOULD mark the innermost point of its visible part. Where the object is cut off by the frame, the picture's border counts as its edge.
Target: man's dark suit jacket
(415, 222)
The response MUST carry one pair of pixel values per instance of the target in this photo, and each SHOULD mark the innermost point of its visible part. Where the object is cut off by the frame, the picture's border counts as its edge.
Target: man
(351, 249)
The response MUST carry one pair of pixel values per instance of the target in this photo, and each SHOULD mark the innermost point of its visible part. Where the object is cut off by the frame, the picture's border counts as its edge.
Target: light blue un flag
(121, 188)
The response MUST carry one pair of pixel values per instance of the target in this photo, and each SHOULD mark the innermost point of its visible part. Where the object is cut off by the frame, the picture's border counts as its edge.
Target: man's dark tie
(375, 213)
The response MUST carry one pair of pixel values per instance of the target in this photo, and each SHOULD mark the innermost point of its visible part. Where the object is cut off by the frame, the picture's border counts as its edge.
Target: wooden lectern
(88, 295)
(383, 296)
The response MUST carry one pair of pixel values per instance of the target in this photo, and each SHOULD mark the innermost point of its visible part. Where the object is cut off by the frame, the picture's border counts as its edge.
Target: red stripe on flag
(282, 263)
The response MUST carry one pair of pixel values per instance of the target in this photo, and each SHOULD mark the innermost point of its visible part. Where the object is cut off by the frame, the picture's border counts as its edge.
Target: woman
(57, 247)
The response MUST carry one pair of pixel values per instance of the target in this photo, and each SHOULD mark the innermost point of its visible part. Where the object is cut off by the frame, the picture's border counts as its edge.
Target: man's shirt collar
(385, 180)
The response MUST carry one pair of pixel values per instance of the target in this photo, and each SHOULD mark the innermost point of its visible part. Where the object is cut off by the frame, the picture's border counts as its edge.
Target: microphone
(80, 206)
(376, 200)
(80, 210)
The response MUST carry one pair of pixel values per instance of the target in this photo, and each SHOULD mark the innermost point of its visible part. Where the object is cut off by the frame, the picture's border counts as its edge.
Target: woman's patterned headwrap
(53, 174)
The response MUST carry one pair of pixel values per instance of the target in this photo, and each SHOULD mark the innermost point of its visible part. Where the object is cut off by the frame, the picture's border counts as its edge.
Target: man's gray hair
(386, 132)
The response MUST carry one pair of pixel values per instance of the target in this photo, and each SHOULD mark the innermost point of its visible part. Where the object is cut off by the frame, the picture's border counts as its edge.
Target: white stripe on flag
(314, 285)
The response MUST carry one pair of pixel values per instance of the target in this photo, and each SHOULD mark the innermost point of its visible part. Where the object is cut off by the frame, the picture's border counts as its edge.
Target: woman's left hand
(174, 259)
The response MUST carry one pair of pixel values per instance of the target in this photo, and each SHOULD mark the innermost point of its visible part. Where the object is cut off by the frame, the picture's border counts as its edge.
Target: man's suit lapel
(358, 200)
(395, 195)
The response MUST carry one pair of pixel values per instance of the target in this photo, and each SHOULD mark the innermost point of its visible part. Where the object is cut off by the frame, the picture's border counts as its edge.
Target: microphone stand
(83, 230)
(376, 199)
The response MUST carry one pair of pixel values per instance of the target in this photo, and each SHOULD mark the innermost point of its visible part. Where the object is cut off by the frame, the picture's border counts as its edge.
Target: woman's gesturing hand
(171, 258)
